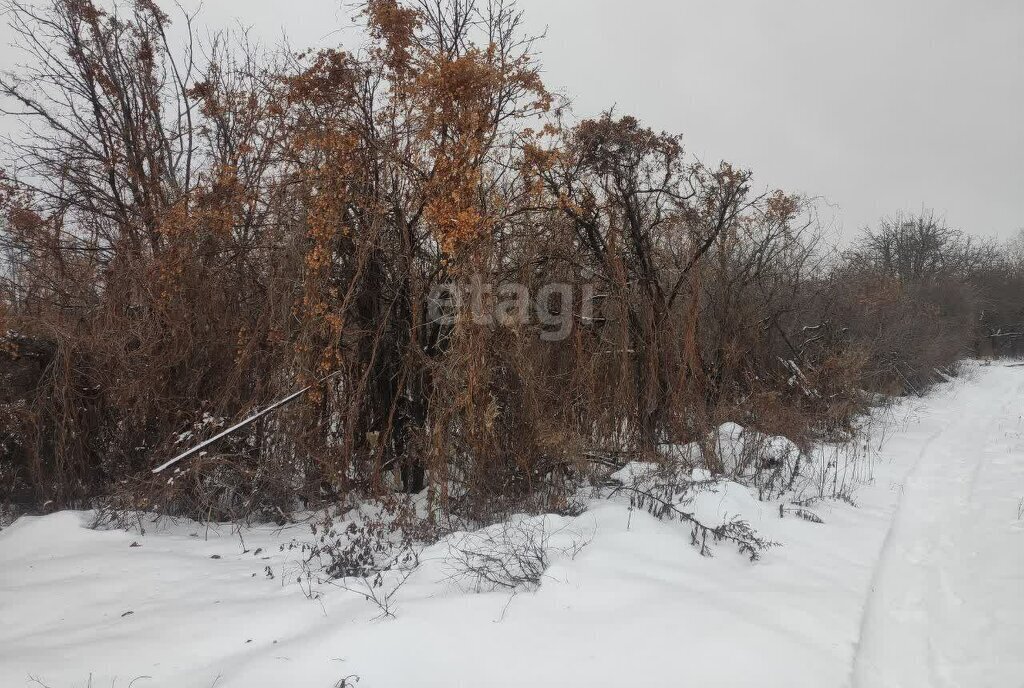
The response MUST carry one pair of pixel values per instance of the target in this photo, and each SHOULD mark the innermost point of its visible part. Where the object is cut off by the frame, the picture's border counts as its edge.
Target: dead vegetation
(190, 234)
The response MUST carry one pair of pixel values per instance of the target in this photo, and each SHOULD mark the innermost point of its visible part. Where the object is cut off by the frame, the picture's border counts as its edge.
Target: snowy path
(920, 584)
(947, 600)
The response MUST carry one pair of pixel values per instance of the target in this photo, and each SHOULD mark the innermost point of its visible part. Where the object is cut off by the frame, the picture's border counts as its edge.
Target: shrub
(667, 491)
(512, 555)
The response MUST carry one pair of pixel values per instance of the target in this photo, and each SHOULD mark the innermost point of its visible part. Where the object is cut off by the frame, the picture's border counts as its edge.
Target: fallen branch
(737, 531)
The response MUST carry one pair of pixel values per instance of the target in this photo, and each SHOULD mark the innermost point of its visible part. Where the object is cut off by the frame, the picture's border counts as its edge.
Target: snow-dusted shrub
(676, 492)
(357, 549)
(372, 553)
(833, 471)
(773, 466)
(510, 555)
(381, 537)
(768, 463)
(686, 454)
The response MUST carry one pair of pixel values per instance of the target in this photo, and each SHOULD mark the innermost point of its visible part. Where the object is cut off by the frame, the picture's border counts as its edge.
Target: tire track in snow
(857, 680)
(931, 560)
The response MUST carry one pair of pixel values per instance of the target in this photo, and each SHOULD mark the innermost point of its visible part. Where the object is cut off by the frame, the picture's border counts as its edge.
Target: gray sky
(875, 106)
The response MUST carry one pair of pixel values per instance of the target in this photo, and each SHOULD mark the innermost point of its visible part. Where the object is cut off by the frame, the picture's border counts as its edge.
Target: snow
(916, 585)
(711, 504)
(730, 443)
(947, 602)
(723, 501)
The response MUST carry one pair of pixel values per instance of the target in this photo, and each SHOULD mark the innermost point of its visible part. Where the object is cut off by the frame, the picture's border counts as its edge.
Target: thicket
(192, 231)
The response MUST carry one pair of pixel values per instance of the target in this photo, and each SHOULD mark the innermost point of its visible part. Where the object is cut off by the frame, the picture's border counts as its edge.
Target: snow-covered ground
(947, 598)
(920, 584)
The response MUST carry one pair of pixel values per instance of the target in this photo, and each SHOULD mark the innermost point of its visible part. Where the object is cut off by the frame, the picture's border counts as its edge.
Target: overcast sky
(875, 106)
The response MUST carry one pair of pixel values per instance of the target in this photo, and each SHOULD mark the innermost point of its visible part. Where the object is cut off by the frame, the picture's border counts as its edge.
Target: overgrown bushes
(498, 295)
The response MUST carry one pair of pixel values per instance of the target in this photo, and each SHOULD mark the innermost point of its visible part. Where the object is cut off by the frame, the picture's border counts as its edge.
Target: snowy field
(920, 584)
